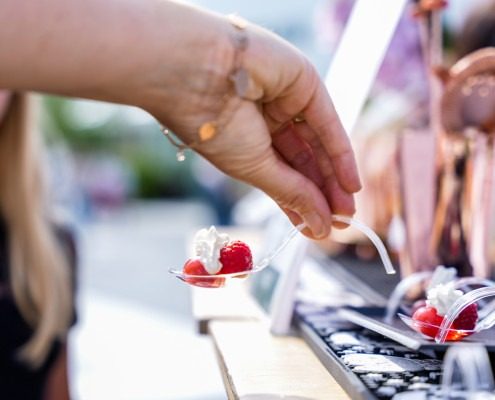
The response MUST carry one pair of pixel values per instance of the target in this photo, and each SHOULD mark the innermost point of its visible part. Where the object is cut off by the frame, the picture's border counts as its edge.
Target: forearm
(126, 51)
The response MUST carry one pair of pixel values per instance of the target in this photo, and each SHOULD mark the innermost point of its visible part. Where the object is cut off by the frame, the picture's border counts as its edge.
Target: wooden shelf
(256, 365)
(232, 303)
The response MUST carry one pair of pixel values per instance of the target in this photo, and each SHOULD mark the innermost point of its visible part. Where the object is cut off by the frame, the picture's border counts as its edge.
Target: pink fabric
(4, 102)
(417, 158)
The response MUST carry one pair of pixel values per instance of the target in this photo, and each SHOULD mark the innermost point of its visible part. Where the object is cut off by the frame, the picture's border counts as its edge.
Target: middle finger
(340, 200)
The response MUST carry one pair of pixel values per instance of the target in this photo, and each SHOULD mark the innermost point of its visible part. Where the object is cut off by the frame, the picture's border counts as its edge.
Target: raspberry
(467, 318)
(235, 257)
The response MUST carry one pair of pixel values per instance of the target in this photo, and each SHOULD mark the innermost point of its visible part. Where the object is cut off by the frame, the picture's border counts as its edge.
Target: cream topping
(207, 245)
(442, 296)
(442, 275)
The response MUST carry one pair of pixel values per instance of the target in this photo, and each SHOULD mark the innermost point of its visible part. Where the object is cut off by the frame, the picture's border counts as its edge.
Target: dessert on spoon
(217, 258)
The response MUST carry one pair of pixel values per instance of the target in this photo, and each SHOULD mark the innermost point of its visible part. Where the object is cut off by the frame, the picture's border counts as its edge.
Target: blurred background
(133, 206)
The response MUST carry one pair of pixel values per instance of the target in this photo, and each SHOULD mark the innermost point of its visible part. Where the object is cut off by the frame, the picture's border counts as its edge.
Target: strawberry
(418, 304)
(428, 315)
(467, 318)
(235, 257)
(195, 267)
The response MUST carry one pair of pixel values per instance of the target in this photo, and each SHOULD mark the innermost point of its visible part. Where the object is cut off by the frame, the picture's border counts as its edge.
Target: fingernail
(315, 223)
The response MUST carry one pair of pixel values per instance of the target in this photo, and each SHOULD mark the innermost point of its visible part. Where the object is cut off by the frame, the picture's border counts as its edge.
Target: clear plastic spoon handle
(459, 305)
(265, 261)
(370, 233)
(471, 280)
(466, 366)
(487, 309)
(372, 236)
(400, 291)
(487, 322)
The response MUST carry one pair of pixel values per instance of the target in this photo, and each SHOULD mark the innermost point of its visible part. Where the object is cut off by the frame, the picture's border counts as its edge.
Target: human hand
(174, 61)
(286, 139)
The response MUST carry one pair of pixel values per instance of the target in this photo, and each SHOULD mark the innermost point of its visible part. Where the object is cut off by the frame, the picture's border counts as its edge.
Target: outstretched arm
(174, 61)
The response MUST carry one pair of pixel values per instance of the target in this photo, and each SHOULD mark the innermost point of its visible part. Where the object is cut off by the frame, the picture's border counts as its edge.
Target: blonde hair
(38, 271)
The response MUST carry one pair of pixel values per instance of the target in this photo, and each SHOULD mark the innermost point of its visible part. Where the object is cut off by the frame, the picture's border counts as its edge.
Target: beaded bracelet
(239, 77)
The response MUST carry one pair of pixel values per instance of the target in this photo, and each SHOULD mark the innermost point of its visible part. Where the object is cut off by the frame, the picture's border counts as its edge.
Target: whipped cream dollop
(442, 275)
(207, 244)
(442, 296)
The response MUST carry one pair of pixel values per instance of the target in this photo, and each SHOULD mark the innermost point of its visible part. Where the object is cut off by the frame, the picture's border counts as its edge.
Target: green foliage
(139, 146)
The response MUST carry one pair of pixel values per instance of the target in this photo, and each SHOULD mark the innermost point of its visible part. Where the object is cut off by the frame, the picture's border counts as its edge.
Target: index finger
(321, 116)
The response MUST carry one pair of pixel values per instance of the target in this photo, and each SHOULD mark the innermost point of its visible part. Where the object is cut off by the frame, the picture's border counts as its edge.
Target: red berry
(464, 322)
(194, 267)
(418, 304)
(235, 257)
(430, 318)
(467, 318)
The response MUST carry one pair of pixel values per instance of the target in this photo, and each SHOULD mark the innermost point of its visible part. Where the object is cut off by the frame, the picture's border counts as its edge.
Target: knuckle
(296, 200)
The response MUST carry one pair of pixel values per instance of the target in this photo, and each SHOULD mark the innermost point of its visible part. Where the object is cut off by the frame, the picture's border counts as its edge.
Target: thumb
(296, 195)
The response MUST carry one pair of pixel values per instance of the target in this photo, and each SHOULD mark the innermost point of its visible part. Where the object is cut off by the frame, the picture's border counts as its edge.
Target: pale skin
(174, 61)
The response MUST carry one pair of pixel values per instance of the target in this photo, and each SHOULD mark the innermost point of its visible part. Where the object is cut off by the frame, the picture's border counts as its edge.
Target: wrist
(189, 79)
